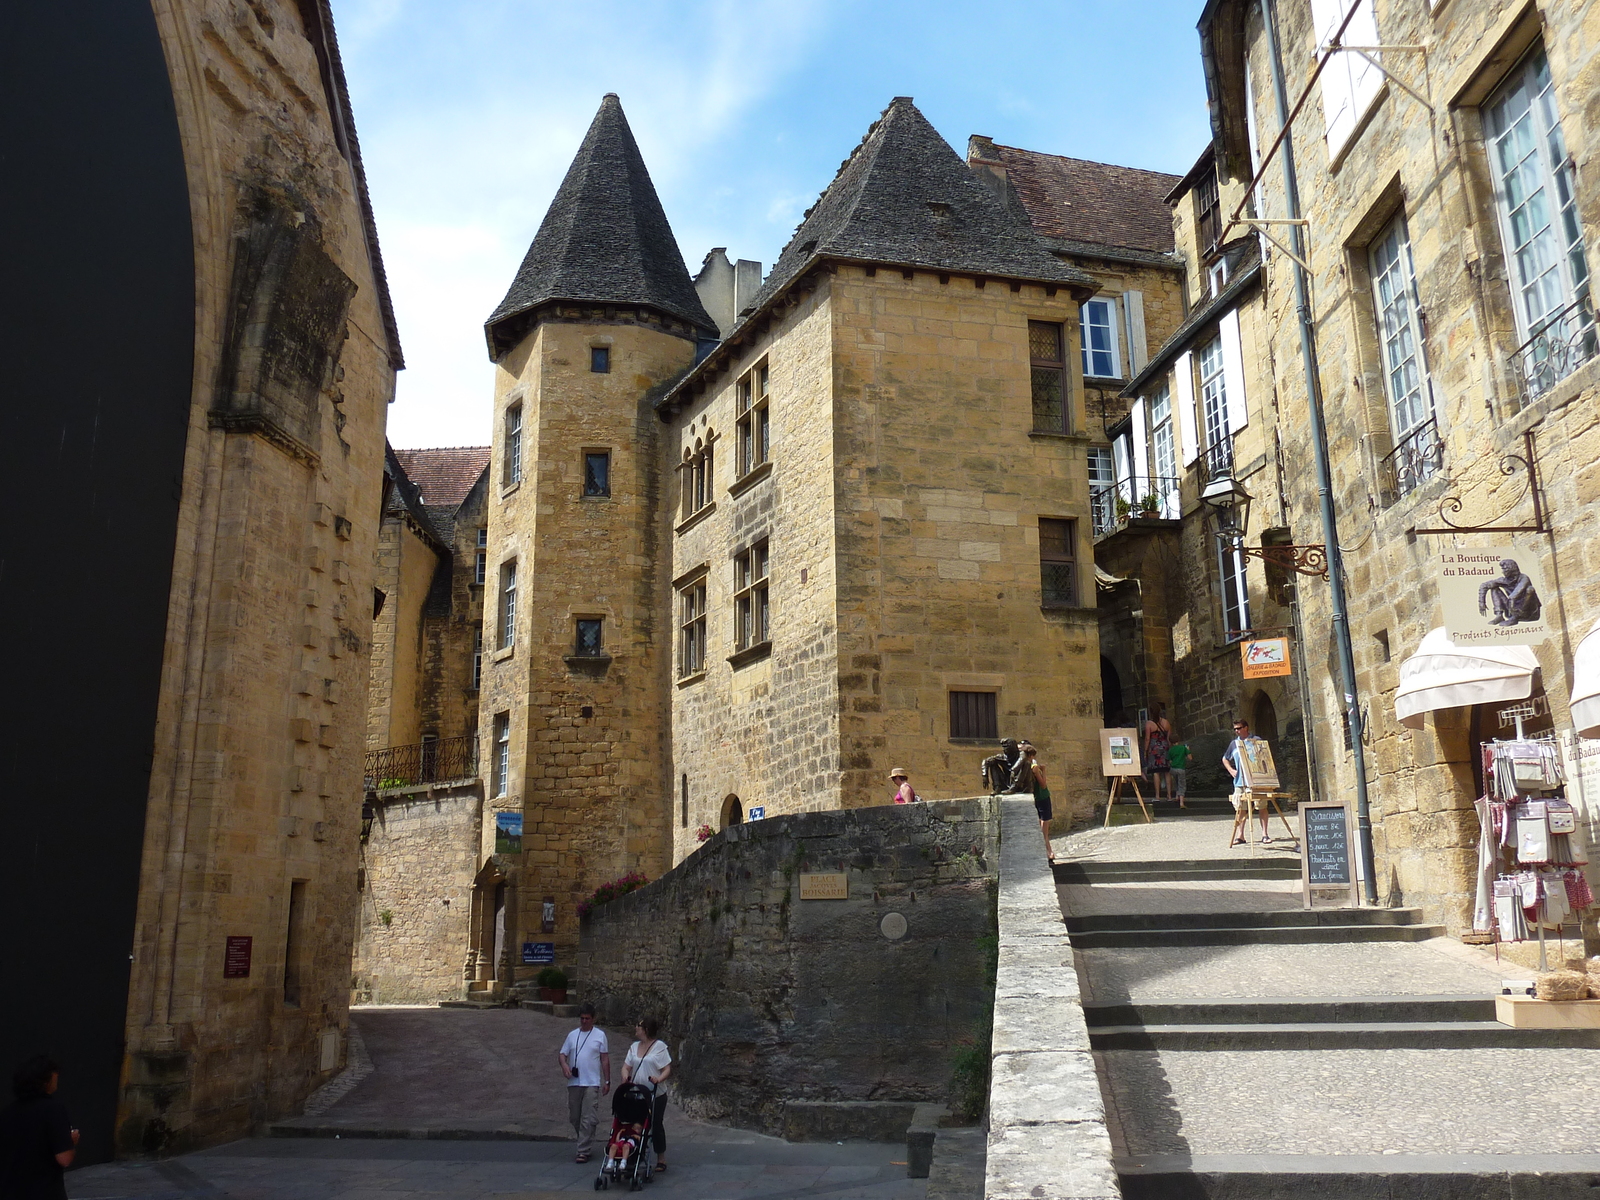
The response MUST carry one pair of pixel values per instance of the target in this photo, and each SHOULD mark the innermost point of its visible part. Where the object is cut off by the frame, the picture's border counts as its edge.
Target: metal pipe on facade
(1319, 452)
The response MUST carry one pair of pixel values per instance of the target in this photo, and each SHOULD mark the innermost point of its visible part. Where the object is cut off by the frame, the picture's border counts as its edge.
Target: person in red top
(904, 793)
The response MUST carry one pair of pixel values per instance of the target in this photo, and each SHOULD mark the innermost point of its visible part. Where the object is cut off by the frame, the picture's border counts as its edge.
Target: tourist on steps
(1157, 746)
(1178, 756)
(649, 1059)
(1233, 763)
(586, 1066)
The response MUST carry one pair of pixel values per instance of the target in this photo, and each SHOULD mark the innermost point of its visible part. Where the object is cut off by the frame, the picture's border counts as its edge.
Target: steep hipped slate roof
(446, 474)
(904, 197)
(1076, 200)
(605, 238)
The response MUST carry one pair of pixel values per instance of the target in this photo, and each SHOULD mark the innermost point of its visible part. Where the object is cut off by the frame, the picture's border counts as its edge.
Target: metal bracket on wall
(1302, 560)
(1511, 464)
(1367, 52)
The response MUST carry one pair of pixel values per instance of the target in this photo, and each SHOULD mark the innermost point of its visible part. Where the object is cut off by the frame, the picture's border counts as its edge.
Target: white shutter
(1349, 82)
(1183, 400)
(1141, 450)
(1233, 370)
(1133, 310)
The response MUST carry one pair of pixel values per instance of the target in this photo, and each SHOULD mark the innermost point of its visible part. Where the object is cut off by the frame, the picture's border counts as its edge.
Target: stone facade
(256, 775)
(771, 1000)
(1401, 168)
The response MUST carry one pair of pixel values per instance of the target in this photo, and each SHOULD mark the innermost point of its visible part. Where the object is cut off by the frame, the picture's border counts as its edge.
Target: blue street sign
(538, 952)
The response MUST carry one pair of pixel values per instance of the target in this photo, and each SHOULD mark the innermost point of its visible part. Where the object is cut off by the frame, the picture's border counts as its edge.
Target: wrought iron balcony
(1415, 459)
(1559, 346)
(1142, 495)
(432, 761)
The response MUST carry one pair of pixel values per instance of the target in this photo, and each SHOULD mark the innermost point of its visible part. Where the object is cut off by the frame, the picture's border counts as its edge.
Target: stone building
(787, 537)
(1449, 239)
(424, 842)
(194, 635)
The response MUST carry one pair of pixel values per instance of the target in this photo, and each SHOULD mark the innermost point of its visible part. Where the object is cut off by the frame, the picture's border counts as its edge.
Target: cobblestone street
(474, 1110)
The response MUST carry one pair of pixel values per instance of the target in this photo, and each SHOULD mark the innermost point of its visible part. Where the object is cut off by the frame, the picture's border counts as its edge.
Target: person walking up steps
(1178, 757)
(586, 1066)
(1157, 748)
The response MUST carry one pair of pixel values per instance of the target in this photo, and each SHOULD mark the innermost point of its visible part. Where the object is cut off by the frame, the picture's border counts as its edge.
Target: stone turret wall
(770, 1001)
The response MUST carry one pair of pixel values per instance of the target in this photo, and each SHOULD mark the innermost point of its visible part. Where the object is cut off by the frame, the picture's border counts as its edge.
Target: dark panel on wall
(96, 350)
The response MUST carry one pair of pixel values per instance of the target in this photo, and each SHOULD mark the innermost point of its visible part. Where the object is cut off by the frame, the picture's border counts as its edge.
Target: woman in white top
(649, 1059)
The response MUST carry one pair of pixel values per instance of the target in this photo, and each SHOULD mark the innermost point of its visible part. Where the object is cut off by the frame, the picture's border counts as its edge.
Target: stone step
(1278, 866)
(1357, 1176)
(1283, 917)
(1270, 935)
(1342, 1035)
(1294, 1010)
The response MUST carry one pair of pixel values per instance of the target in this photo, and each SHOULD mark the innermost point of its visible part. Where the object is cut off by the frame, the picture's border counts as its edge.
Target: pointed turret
(605, 240)
(905, 197)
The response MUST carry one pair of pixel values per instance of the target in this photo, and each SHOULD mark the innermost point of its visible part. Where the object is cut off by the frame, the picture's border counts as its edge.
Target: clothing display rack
(1530, 852)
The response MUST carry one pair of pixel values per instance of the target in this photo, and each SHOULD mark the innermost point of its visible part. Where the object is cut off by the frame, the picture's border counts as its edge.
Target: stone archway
(1110, 692)
(1264, 718)
(491, 932)
(732, 810)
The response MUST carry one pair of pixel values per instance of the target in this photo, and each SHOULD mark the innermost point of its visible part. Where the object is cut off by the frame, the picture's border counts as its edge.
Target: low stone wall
(768, 998)
(1047, 1122)
(415, 890)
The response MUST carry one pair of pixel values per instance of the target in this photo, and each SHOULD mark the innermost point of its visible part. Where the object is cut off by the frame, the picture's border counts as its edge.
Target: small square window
(589, 643)
(600, 359)
(974, 715)
(597, 473)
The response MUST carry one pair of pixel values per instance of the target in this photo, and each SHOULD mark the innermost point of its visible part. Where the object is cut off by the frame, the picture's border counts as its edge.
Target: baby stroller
(632, 1107)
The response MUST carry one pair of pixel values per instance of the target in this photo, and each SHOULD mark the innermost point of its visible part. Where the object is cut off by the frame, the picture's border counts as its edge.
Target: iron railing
(1111, 503)
(1415, 459)
(432, 761)
(1561, 344)
(1216, 461)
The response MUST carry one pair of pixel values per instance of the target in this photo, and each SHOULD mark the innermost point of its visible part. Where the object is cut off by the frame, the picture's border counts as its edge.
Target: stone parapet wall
(766, 997)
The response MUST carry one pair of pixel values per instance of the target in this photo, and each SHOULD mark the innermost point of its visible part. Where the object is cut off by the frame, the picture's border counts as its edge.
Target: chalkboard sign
(1325, 858)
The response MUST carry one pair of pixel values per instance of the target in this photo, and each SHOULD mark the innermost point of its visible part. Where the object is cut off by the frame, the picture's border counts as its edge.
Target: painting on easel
(1258, 771)
(1119, 752)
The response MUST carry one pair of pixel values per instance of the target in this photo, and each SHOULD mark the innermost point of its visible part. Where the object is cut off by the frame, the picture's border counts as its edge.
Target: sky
(469, 113)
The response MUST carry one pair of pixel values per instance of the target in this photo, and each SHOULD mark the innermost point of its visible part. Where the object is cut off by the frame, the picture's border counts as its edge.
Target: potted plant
(1150, 506)
(1124, 509)
(553, 985)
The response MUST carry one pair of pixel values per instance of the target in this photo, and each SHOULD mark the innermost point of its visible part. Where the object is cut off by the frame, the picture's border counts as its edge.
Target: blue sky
(469, 112)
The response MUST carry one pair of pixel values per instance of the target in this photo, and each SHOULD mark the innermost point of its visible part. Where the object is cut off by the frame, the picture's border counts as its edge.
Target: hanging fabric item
(1533, 835)
(1553, 891)
(1579, 894)
(1509, 920)
(1483, 902)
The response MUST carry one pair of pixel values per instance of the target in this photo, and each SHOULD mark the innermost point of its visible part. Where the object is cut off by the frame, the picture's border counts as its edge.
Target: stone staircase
(1276, 927)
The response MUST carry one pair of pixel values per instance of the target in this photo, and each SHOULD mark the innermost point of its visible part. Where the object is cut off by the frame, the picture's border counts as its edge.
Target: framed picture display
(1119, 752)
(1257, 770)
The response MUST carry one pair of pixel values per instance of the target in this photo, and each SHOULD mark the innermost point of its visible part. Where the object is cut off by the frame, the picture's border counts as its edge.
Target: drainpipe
(1319, 452)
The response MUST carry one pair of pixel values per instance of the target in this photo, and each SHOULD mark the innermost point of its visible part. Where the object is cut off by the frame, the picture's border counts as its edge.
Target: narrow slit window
(1047, 359)
(1058, 562)
(597, 473)
(502, 753)
(513, 458)
(508, 605)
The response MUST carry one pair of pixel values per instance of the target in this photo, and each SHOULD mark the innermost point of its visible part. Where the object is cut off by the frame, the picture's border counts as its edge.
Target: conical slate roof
(605, 239)
(905, 197)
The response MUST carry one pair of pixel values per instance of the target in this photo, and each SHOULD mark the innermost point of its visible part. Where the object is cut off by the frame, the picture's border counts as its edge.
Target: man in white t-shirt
(586, 1066)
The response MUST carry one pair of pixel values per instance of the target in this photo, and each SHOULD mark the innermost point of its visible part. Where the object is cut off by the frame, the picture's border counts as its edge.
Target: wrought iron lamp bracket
(1302, 560)
(1510, 465)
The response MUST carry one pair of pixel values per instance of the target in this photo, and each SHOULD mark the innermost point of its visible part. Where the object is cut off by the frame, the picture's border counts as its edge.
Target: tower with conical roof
(601, 317)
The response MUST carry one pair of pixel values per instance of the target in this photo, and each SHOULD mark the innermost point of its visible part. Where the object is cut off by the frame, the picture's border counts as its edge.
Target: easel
(1251, 802)
(1116, 790)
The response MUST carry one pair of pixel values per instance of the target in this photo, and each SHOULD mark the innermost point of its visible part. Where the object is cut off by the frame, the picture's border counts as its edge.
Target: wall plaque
(831, 886)
(236, 958)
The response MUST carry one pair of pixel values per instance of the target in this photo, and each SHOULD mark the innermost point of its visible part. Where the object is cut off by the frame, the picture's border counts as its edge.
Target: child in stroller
(629, 1156)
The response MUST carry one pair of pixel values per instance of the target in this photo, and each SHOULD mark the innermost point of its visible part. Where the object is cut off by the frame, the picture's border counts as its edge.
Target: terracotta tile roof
(1074, 200)
(444, 475)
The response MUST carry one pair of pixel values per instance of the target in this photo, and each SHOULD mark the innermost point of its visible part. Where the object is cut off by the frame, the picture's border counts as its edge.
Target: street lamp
(1230, 502)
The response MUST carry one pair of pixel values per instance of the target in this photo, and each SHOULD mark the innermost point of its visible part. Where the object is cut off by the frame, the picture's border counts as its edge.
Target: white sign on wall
(1494, 596)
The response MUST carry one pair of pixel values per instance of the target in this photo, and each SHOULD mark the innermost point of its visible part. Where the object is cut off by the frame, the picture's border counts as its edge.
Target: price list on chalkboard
(1326, 847)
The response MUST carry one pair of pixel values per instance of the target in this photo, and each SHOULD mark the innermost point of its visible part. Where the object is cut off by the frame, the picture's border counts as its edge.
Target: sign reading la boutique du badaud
(1494, 596)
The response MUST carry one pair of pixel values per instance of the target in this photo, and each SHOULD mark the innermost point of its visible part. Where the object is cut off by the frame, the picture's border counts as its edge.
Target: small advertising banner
(535, 953)
(508, 833)
(1265, 657)
(1119, 752)
(1493, 597)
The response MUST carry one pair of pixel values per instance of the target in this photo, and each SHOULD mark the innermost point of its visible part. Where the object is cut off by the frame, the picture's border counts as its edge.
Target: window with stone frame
(698, 475)
(501, 777)
(692, 628)
(755, 421)
(480, 572)
(1231, 566)
(1098, 328)
(600, 359)
(508, 604)
(513, 448)
(1214, 409)
(1207, 212)
(1058, 562)
(597, 472)
(1048, 362)
(1417, 453)
(752, 605)
(1102, 489)
(1164, 454)
(974, 716)
(589, 637)
(1536, 201)
(477, 659)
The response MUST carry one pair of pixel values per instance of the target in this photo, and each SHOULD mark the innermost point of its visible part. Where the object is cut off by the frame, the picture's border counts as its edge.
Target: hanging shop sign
(1495, 596)
(1265, 657)
(508, 833)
